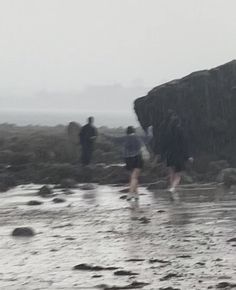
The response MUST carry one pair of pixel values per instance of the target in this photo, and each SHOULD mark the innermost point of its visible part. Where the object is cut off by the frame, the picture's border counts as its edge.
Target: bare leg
(171, 176)
(177, 179)
(134, 181)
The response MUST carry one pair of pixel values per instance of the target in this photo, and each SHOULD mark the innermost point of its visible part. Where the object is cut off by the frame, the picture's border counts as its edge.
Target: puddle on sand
(181, 243)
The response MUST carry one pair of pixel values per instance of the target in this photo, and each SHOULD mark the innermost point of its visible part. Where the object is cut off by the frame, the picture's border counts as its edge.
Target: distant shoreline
(54, 118)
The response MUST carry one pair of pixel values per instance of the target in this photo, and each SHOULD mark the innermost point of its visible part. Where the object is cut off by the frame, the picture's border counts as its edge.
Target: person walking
(175, 151)
(88, 135)
(133, 160)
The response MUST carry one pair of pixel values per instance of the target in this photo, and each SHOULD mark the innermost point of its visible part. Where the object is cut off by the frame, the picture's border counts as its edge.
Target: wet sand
(183, 244)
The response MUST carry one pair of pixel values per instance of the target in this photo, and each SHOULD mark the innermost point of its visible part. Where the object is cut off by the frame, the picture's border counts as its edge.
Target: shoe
(133, 197)
(171, 189)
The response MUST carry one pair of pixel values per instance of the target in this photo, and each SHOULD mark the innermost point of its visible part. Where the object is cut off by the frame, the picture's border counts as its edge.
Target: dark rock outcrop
(206, 103)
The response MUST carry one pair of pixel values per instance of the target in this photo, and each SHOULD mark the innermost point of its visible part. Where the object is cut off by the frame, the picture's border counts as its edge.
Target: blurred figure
(134, 160)
(88, 135)
(175, 151)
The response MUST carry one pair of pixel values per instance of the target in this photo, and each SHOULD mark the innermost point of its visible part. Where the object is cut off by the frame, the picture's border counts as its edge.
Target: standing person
(88, 135)
(175, 151)
(134, 161)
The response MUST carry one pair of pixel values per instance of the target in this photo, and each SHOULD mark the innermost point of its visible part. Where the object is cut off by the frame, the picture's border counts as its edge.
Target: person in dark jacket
(175, 151)
(88, 135)
(133, 160)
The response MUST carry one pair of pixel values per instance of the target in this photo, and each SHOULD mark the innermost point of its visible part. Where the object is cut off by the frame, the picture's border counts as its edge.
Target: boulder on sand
(23, 232)
(45, 191)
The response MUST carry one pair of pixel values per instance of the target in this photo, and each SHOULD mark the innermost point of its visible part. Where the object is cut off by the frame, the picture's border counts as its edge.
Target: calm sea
(21, 118)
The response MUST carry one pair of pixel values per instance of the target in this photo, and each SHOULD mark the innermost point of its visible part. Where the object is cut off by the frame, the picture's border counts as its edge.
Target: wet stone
(152, 261)
(23, 232)
(125, 273)
(231, 240)
(45, 191)
(225, 285)
(58, 200)
(87, 267)
(144, 220)
(34, 202)
(169, 276)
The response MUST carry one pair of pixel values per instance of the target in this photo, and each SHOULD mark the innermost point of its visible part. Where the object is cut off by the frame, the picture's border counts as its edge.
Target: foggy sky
(60, 48)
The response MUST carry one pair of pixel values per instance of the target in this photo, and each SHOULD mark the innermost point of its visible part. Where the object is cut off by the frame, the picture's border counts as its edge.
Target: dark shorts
(176, 162)
(134, 162)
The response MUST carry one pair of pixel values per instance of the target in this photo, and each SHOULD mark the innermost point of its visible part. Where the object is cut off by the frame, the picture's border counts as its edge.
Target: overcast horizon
(100, 55)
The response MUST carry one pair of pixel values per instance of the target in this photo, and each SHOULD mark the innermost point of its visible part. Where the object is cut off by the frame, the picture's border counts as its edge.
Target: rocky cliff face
(205, 101)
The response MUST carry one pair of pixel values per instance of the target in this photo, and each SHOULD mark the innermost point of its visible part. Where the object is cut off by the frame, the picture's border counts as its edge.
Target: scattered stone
(133, 285)
(70, 239)
(169, 276)
(201, 263)
(225, 285)
(161, 211)
(125, 273)
(96, 276)
(45, 191)
(184, 256)
(86, 267)
(169, 288)
(23, 232)
(152, 261)
(58, 200)
(144, 220)
(231, 240)
(135, 260)
(34, 202)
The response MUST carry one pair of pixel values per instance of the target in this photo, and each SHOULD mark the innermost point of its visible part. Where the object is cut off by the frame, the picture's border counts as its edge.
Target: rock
(169, 288)
(152, 261)
(68, 183)
(86, 267)
(144, 220)
(206, 103)
(125, 273)
(34, 202)
(169, 276)
(225, 285)
(228, 177)
(88, 186)
(45, 191)
(133, 285)
(23, 232)
(231, 240)
(123, 196)
(58, 200)
(162, 184)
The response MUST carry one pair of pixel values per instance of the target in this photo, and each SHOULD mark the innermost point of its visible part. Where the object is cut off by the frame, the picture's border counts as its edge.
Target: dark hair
(90, 120)
(130, 130)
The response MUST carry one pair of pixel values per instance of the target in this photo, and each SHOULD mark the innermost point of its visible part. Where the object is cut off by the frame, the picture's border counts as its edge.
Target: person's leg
(134, 182)
(171, 176)
(177, 179)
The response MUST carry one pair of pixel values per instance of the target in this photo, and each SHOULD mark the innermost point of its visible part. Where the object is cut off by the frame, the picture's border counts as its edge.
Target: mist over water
(52, 118)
